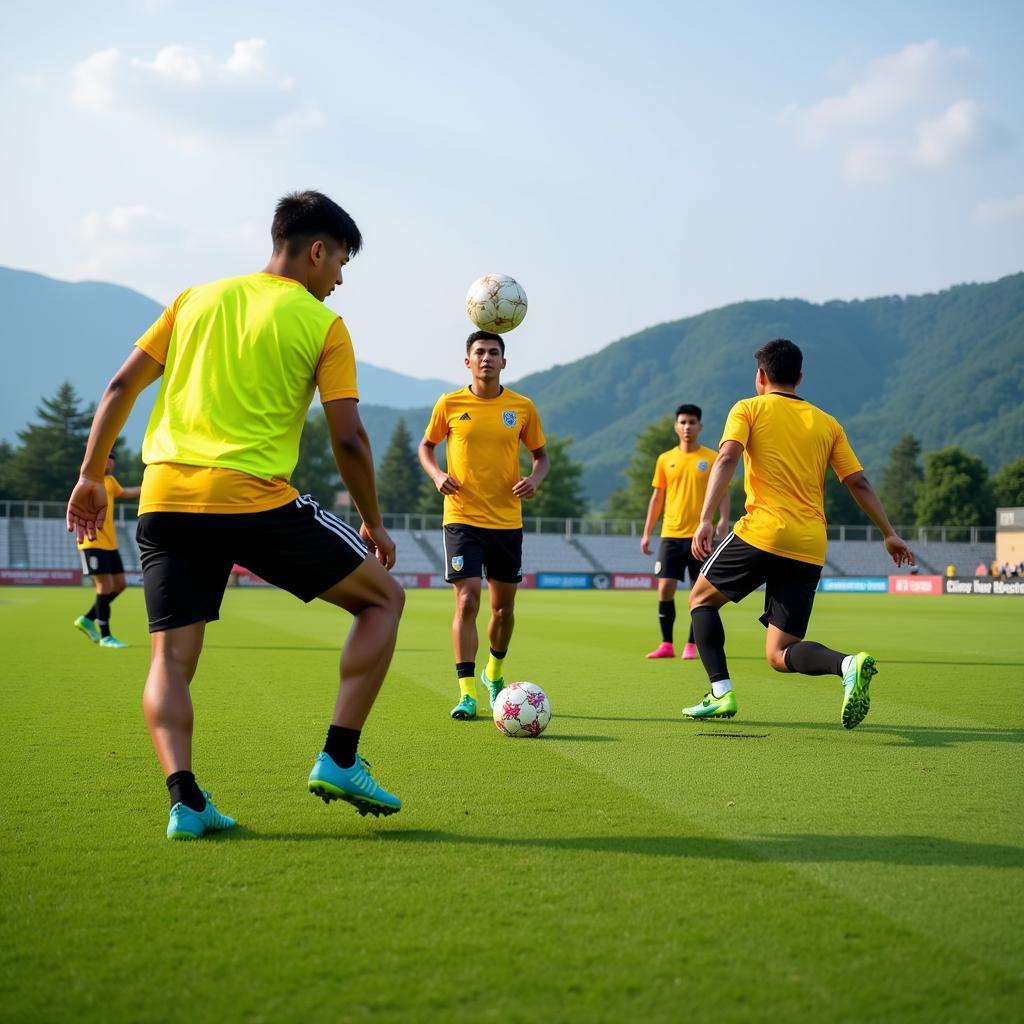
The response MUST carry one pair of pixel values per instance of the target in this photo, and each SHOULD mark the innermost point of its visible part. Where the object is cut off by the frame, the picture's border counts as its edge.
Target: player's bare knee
(776, 657)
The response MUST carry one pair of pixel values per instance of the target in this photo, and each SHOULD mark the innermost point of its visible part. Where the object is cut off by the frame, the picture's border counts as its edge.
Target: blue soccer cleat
(355, 785)
(185, 823)
(465, 709)
(494, 687)
(88, 627)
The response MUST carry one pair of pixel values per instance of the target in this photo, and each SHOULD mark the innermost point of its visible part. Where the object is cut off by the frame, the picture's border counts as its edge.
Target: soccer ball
(496, 302)
(522, 709)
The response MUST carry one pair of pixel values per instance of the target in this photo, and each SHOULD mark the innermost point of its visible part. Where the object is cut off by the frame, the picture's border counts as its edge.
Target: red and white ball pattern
(522, 709)
(496, 303)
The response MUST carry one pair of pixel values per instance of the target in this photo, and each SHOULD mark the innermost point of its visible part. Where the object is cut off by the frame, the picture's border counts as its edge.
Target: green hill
(947, 367)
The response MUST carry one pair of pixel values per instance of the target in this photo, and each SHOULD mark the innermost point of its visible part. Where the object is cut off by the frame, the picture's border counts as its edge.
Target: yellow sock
(467, 686)
(494, 670)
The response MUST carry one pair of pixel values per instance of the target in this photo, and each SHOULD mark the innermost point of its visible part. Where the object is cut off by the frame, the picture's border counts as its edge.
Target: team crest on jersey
(457, 563)
(508, 417)
(702, 465)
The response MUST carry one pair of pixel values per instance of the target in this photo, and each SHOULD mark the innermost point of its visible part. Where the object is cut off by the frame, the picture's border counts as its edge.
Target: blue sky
(627, 163)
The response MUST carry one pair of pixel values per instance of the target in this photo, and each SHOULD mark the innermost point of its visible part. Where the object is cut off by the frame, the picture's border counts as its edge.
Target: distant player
(102, 561)
(780, 542)
(483, 424)
(680, 482)
(238, 361)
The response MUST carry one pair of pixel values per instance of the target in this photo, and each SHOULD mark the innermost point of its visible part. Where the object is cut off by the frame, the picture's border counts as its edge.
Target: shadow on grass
(797, 848)
(560, 738)
(308, 647)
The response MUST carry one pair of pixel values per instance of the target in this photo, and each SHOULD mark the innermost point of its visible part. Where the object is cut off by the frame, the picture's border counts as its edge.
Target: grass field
(626, 865)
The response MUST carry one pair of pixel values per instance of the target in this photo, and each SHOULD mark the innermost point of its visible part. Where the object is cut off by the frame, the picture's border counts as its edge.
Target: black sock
(500, 655)
(341, 745)
(813, 659)
(666, 619)
(710, 633)
(690, 639)
(183, 789)
(103, 613)
(465, 669)
(91, 613)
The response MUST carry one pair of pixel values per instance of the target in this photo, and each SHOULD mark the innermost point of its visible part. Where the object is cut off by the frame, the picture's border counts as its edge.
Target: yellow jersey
(683, 476)
(106, 539)
(788, 445)
(241, 358)
(483, 436)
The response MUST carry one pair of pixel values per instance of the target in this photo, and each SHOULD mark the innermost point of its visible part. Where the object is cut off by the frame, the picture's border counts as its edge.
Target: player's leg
(104, 582)
(465, 643)
(789, 600)
(503, 559)
(117, 586)
(184, 574)
(499, 635)
(693, 565)
(665, 568)
(86, 623)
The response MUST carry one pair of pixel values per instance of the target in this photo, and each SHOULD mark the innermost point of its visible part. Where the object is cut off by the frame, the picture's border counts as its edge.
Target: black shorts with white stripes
(188, 556)
(736, 568)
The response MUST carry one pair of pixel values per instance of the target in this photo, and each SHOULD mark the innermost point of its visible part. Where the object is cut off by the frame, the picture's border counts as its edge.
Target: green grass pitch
(628, 865)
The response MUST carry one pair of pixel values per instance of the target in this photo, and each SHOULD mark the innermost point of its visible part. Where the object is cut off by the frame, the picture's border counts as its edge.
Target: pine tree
(901, 481)
(46, 465)
(399, 474)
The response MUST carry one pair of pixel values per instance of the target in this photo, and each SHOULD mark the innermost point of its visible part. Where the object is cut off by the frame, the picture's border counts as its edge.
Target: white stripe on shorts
(714, 554)
(337, 526)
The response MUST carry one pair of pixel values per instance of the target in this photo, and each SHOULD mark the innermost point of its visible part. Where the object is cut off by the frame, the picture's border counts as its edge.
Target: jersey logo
(702, 465)
(464, 416)
(457, 563)
(508, 417)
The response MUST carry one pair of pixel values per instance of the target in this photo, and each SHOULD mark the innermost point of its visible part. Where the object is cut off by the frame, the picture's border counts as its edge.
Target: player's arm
(527, 487)
(130, 493)
(444, 482)
(723, 515)
(87, 506)
(717, 493)
(355, 464)
(654, 507)
(864, 494)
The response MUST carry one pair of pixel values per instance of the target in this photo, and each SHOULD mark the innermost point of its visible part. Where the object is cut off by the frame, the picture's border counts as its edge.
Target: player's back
(239, 375)
(789, 445)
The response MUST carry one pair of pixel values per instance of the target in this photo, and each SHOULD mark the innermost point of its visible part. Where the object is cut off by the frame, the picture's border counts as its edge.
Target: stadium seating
(619, 554)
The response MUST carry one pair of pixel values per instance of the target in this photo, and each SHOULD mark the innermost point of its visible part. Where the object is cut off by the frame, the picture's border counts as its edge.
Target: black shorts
(100, 562)
(188, 556)
(674, 559)
(736, 568)
(468, 550)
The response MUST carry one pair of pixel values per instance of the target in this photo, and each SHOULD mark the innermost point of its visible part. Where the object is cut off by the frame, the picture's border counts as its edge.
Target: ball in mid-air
(522, 709)
(496, 302)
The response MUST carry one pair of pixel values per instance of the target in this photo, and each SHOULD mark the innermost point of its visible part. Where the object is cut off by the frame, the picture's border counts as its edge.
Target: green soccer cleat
(185, 823)
(86, 626)
(856, 699)
(112, 643)
(465, 709)
(493, 688)
(713, 707)
(355, 785)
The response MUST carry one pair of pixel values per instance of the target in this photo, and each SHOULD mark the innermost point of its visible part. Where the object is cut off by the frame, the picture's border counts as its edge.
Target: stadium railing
(33, 536)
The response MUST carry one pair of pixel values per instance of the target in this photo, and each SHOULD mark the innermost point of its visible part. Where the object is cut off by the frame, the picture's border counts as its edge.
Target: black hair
(689, 410)
(301, 218)
(485, 336)
(781, 360)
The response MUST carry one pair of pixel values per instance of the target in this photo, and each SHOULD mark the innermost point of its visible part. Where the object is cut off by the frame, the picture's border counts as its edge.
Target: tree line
(951, 488)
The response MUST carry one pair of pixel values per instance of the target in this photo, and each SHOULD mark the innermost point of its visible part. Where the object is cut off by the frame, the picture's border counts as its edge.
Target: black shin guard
(666, 619)
(813, 659)
(103, 614)
(709, 636)
(341, 745)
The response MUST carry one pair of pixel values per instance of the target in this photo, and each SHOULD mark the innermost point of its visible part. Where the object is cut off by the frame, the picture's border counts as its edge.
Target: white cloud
(192, 94)
(907, 109)
(1000, 211)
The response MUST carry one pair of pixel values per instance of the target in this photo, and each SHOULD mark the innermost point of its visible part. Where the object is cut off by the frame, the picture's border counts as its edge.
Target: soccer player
(680, 481)
(238, 361)
(483, 424)
(780, 542)
(102, 561)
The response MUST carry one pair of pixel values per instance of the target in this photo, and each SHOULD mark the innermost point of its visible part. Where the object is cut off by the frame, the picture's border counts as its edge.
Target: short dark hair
(689, 410)
(485, 336)
(300, 218)
(781, 360)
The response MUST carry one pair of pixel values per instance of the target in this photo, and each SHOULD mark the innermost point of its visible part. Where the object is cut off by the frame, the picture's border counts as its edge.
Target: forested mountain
(948, 368)
(53, 331)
